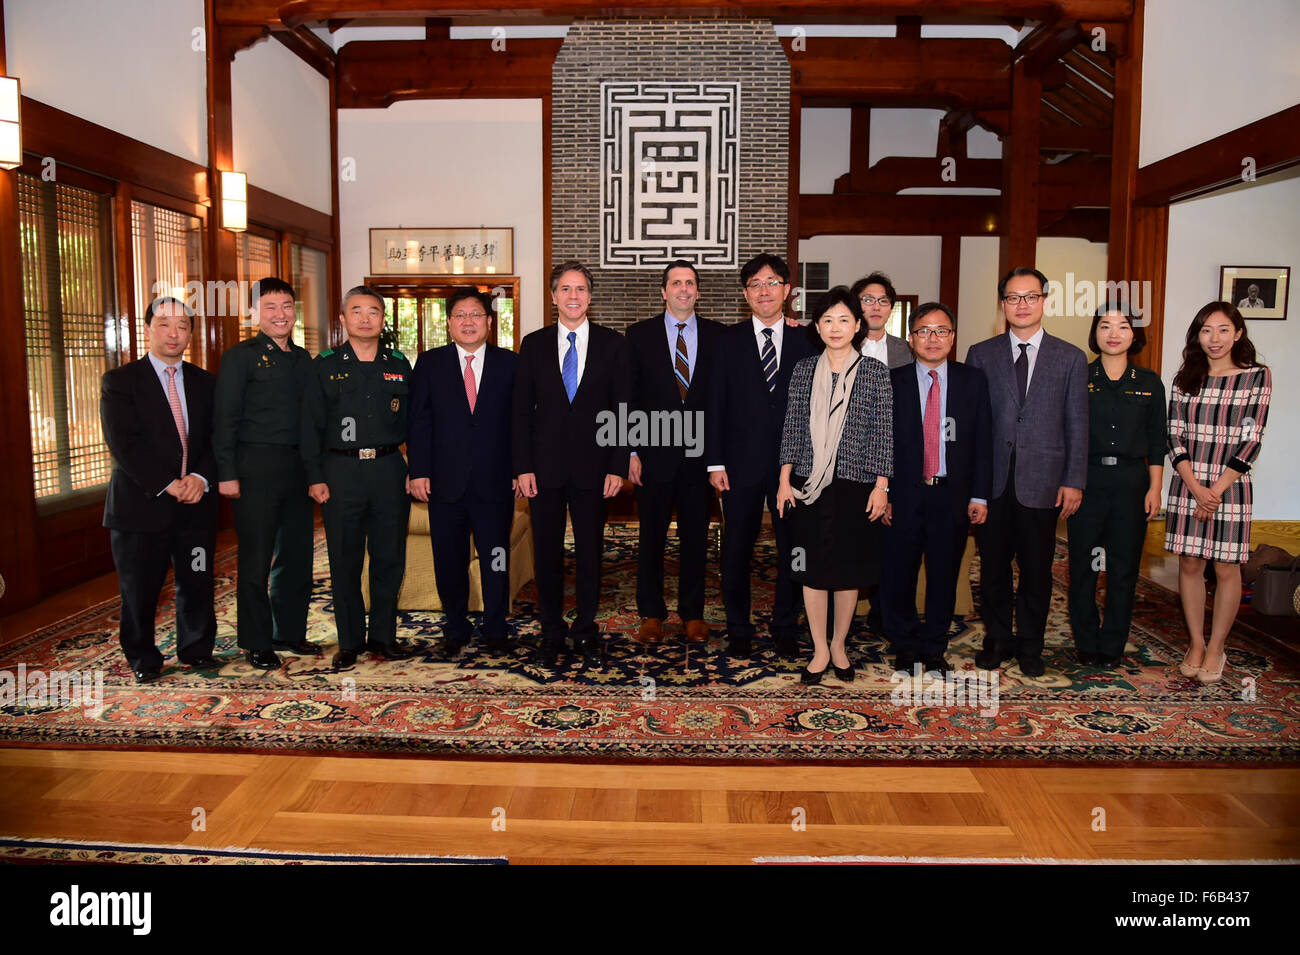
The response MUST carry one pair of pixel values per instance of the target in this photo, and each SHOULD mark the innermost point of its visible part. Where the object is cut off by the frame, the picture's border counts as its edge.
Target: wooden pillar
(222, 329)
(18, 563)
(792, 201)
(334, 300)
(950, 277)
(859, 147)
(1018, 241)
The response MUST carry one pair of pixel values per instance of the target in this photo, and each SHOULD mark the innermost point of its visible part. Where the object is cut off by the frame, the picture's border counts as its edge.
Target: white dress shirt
(878, 349)
(160, 369)
(477, 365)
(562, 338)
(1035, 342)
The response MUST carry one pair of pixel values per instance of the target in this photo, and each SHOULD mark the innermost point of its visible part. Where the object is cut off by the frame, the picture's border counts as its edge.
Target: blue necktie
(768, 357)
(569, 370)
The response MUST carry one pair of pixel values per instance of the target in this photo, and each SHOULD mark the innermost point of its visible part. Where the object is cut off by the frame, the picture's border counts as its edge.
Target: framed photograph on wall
(1257, 291)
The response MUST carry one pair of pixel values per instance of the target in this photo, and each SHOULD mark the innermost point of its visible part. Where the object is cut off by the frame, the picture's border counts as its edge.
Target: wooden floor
(582, 813)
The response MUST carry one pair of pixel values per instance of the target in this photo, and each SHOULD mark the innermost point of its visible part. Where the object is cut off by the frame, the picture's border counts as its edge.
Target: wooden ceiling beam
(1047, 44)
(934, 215)
(1087, 68)
(378, 73)
(309, 48)
(1089, 112)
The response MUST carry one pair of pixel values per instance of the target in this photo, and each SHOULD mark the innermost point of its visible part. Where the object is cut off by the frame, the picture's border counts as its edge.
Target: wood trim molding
(285, 215)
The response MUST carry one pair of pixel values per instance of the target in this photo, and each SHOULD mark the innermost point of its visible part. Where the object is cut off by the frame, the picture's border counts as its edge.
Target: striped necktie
(174, 399)
(681, 362)
(768, 357)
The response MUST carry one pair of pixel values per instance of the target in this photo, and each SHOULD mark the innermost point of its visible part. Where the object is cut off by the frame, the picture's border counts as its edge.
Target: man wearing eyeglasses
(459, 444)
(876, 293)
(742, 443)
(1038, 390)
(942, 472)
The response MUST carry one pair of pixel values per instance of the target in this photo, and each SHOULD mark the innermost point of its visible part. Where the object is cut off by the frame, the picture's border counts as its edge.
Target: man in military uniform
(353, 423)
(1126, 449)
(255, 437)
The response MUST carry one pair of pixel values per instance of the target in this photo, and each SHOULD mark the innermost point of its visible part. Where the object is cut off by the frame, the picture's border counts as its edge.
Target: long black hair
(1196, 364)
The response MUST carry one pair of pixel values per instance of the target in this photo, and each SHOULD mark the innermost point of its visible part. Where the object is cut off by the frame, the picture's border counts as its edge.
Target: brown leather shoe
(697, 631)
(651, 631)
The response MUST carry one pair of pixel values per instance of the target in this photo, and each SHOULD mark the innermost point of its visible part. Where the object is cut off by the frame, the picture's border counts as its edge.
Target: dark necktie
(769, 359)
(1022, 371)
(681, 363)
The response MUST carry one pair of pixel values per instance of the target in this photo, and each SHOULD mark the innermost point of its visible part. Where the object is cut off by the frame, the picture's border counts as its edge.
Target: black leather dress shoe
(303, 648)
(904, 662)
(391, 651)
(787, 645)
(1087, 658)
(936, 664)
(497, 645)
(740, 647)
(1105, 662)
(453, 645)
(147, 674)
(590, 647)
(263, 659)
(552, 647)
(203, 663)
(992, 657)
(1032, 666)
(344, 660)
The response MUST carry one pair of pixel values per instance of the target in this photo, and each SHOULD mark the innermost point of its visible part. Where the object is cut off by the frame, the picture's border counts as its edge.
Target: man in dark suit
(876, 294)
(572, 379)
(942, 468)
(671, 354)
(459, 447)
(161, 510)
(1038, 391)
(742, 441)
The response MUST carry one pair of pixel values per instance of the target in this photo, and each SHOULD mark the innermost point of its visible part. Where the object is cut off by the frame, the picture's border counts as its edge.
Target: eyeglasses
(469, 315)
(870, 300)
(1032, 298)
(937, 331)
(770, 283)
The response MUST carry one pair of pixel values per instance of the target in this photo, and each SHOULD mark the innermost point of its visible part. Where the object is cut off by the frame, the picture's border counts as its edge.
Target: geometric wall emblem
(669, 170)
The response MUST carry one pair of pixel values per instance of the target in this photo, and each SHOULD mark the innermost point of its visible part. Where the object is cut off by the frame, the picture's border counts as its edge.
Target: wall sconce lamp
(234, 201)
(11, 131)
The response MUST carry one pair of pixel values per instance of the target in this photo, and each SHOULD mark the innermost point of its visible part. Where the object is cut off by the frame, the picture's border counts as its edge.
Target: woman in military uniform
(1126, 447)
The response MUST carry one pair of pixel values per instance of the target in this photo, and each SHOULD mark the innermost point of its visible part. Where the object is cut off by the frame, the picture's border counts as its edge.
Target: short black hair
(875, 278)
(1122, 310)
(925, 309)
(364, 290)
(266, 286)
(1020, 271)
(757, 264)
(679, 264)
(571, 265)
(839, 295)
(166, 300)
(466, 292)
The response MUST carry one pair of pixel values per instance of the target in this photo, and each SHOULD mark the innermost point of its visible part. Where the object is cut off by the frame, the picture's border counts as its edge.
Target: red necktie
(174, 399)
(471, 391)
(930, 428)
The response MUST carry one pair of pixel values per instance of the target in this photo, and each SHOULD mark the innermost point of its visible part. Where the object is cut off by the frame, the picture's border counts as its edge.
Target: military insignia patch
(396, 404)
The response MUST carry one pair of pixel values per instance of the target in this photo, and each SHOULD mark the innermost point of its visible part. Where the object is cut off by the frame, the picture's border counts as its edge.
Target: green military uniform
(353, 422)
(1126, 424)
(255, 437)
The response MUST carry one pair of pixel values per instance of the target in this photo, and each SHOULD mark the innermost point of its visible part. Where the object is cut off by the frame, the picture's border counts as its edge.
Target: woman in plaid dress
(1217, 411)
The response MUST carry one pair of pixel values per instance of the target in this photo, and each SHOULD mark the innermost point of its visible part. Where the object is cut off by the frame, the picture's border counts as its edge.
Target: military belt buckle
(1109, 462)
(367, 454)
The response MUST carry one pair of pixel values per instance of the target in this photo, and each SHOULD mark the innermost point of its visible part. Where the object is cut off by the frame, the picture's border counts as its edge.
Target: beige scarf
(827, 408)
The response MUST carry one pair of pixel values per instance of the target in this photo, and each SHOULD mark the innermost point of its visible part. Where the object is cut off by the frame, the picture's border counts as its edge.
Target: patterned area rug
(45, 851)
(670, 703)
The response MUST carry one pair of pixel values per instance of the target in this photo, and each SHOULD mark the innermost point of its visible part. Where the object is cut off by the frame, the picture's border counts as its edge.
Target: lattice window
(310, 280)
(168, 254)
(257, 258)
(72, 330)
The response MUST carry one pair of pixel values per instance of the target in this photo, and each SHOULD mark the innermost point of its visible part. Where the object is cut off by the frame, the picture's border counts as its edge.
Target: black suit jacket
(141, 436)
(654, 387)
(742, 430)
(457, 451)
(558, 441)
(969, 453)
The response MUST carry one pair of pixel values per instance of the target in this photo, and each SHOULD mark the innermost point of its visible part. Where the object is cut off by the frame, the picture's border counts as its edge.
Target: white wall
(1207, 233)
(432, 163)
(1209, 67)
(977, 291)
(129, 65)
(1073, 263)
(280, 108)
(910, 261)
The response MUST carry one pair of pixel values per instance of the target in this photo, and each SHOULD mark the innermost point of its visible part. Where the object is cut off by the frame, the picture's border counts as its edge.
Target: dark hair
(840, 295)
(1196, 365)
(1021, 271)
(756, 264)
(875, 278)
(466, 292)
(1139, 333)
(571, 265)
(266, 286)
(925, 309)
(679, 264)
(364, 290)
(166, 300)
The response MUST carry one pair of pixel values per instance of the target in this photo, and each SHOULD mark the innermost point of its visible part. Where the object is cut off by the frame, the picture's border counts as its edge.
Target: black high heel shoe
(844, 674)
(809, 678)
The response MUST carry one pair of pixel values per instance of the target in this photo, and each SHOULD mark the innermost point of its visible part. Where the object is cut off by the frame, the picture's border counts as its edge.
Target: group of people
(857, 443)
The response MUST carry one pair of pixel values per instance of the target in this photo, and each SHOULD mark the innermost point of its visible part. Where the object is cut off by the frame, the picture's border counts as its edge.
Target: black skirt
(836, 546)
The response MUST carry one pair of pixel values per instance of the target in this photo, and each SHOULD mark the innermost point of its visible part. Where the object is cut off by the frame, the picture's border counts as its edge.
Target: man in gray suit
(876, 293)
(1039, 394)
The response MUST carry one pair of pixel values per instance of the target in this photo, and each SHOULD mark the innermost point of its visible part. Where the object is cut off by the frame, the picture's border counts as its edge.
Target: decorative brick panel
(746, 53)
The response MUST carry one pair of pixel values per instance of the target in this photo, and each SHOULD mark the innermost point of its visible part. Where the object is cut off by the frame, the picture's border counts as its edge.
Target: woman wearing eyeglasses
(837, 456)
(1126, 447)
(1217, 411)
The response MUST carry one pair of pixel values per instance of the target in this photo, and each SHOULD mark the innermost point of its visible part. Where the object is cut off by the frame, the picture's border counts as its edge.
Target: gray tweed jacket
(866, 448)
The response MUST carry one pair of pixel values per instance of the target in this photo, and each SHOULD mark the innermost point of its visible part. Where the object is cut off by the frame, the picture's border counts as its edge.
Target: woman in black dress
(837, 456)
